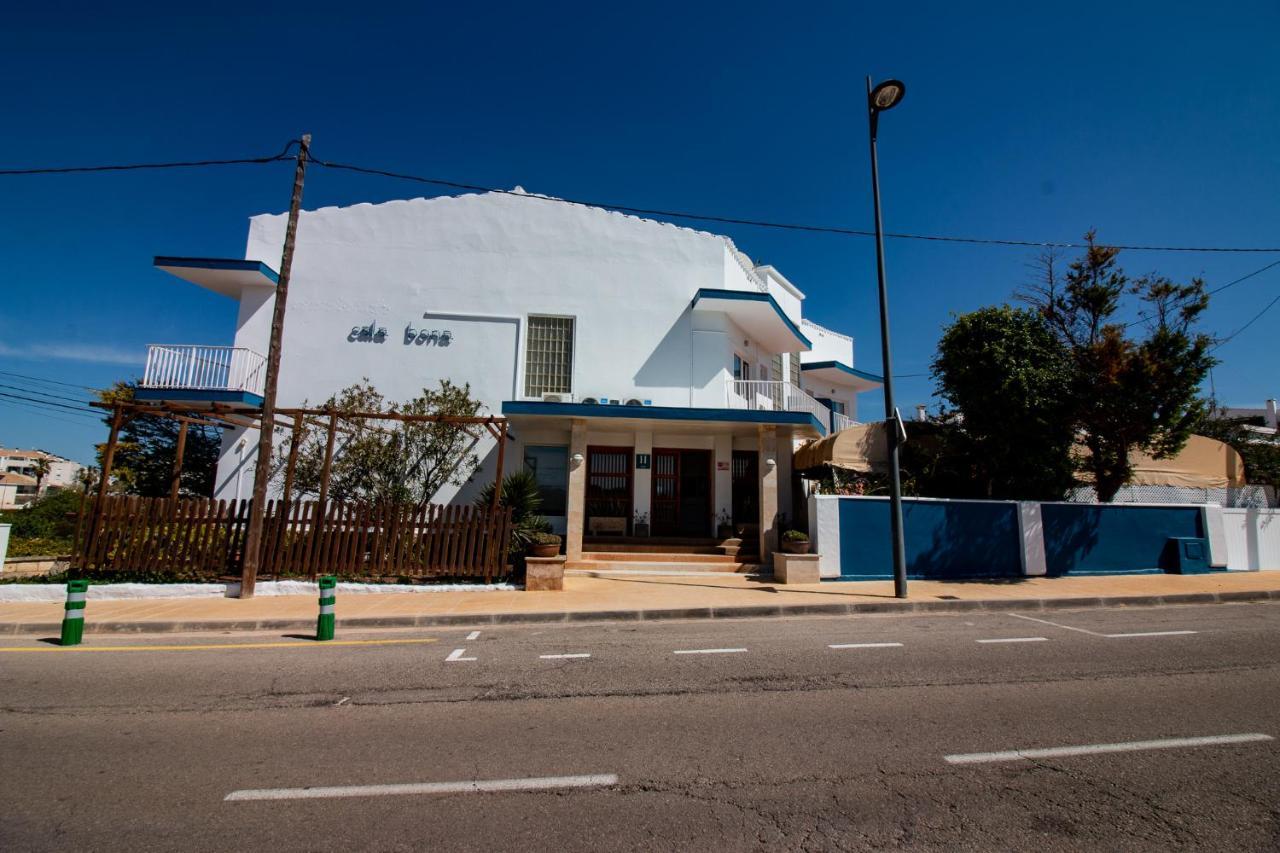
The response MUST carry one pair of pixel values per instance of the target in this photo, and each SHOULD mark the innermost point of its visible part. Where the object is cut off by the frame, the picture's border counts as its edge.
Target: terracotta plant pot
(550, 549)
(796, 547)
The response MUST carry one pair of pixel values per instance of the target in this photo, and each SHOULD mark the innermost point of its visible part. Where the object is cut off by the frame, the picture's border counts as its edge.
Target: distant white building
(1268, 423)
(18, 475)
(648, 371)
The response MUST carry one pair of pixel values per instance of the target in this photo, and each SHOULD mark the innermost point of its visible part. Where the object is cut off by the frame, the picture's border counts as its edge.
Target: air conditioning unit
(636, 402)
(593, 401)
(557, 398)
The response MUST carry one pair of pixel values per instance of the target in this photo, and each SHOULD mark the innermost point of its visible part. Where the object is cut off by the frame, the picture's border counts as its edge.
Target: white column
(722, 484)
(1215, 531)
(642, 482)
(577, 489)
(785, 443)
(768, 451)
(1031, 526)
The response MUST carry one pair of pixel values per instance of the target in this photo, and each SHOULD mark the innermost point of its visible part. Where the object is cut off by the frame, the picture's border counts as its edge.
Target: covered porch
(636, 475)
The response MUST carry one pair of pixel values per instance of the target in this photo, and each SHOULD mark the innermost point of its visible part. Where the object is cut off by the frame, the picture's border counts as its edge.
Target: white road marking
(1151, 634)
(1017, 640)
(457, 655)
(865, 646)
(707, 651)
(1100, 634)
(474, 635)
(1100, 748)
(475, 786)
(565, 657)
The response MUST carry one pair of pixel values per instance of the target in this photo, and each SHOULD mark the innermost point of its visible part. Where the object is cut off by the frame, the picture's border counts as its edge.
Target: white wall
(1253, 539)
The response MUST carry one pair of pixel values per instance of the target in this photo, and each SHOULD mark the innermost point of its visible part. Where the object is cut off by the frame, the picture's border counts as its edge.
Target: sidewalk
(644, 597)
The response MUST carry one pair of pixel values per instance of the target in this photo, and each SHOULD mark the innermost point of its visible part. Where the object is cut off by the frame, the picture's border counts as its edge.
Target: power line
(760, 223)
(1254, 319)
(41, 413)
(43, 393)
(129, 167)
(50, 381)
(1211, 292)
(80, 409)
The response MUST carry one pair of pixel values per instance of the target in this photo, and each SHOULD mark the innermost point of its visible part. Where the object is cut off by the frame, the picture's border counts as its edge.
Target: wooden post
(108, 457)
(175, 479)
(328, 458)
(497, 478)
(266, 427)
(292, 464)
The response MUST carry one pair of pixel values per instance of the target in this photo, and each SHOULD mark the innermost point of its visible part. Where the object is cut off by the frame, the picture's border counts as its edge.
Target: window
(795, 369)
(548, 358)
(837, 406)
(741, 368)
(550, 467)
(777, 368)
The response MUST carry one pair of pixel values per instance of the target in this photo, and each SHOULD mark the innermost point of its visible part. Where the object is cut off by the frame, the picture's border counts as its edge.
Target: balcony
(770, 396)
(190, 373)
(839, 422)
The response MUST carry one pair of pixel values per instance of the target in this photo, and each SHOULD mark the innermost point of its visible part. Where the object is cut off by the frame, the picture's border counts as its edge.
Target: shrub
(795, 536)
(51, 517)
(542, 537)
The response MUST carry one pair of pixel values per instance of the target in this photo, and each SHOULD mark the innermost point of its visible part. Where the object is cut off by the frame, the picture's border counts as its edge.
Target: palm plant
(519, 494)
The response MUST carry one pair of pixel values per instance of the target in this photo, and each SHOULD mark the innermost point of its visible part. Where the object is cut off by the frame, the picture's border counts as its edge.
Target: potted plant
(724, 525)
(640, 524)
(795, 542)
(543, 544)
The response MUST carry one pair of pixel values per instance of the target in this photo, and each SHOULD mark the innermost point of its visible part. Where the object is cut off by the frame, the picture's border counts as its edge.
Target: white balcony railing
(762, 395)
(839, 422)
(204, 368)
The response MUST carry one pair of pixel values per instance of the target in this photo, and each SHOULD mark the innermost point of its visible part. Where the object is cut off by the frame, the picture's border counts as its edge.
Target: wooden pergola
(296, 420)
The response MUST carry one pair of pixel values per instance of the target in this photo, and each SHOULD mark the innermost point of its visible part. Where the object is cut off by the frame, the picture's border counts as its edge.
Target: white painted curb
(129, 591)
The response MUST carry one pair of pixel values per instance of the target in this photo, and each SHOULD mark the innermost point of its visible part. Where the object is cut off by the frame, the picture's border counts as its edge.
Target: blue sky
(1155, 123)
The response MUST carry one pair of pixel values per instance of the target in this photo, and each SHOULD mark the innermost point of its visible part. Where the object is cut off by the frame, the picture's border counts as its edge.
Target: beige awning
(1204, 463)
(862, 448)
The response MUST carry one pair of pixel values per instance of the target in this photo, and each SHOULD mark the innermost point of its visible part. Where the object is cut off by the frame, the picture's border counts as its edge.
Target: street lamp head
(887, 95)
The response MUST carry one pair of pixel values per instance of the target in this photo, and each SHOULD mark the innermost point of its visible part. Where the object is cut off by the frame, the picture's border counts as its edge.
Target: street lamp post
(886, 96)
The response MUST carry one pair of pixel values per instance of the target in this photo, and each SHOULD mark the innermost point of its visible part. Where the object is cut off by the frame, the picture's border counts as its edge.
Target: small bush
(541, 537)
(51, 517)
(39, 547)
(795, 536)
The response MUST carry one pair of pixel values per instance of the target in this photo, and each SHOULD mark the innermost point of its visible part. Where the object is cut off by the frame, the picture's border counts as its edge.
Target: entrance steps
(658, 567)
(663, 555)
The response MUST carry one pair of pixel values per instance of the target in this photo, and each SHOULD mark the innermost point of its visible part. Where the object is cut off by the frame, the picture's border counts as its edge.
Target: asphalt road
(720, 735)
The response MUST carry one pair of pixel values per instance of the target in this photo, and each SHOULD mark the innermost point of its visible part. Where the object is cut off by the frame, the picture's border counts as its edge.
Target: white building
(20, 486)
(648, 371)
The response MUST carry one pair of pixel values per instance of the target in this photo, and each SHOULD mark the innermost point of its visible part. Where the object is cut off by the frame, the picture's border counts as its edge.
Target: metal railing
(839, 422)
(765, 395)
(204, 368)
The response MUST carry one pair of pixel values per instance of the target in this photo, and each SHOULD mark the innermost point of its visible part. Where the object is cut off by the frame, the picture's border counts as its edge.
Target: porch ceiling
(838, 373)
(227, 276)
(758, 315)
(649, 418)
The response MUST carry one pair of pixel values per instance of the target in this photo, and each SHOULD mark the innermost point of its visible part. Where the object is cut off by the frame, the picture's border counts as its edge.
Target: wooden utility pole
(266, 425)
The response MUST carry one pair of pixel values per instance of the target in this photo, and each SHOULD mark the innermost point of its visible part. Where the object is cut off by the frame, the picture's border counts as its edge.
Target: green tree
(1006, 376)
(143, 463)
(1127, 393)
(42, 467)
(394, 461)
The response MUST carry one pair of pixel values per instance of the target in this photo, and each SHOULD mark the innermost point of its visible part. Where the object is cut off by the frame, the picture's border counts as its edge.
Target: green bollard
(73, 616)
(324, 626)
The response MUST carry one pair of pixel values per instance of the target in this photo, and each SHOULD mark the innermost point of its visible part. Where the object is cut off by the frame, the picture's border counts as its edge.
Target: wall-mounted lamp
(577, 458)
(770, 462)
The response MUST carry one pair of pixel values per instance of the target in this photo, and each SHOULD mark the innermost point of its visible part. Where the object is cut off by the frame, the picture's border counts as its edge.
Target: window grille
(548, 360)
(795, 369)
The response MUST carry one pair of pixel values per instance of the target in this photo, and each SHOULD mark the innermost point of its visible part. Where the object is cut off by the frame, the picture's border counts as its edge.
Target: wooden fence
(205, 538)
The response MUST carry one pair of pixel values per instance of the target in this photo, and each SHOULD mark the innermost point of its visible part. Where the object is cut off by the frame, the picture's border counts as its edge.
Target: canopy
(1204, 463)
(862, 448)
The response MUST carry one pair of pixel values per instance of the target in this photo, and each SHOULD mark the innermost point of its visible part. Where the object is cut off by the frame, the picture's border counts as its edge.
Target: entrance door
(680, 502)
(746, 487)
(608, 499)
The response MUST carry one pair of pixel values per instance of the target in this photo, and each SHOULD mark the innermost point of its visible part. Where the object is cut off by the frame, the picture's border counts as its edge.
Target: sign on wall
(642, 461)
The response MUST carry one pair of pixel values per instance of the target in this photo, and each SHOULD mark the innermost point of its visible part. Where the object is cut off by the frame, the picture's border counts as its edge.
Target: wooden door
(608, 490)
(664, 502)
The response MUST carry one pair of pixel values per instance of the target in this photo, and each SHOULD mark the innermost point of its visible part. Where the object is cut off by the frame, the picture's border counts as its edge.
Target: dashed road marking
(865, 646)
(565, 656)
(707, 651)
(1150, 634)
(474, 635)
(1016, 640)
(457, 655)
(1100, 748)
(1116, 636)
(541, 783)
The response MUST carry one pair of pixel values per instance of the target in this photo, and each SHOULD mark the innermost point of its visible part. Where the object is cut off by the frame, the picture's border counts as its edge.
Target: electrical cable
(129, 167)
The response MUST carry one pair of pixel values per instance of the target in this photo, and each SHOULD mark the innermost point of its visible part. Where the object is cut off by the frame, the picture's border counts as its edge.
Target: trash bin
(1188, 555)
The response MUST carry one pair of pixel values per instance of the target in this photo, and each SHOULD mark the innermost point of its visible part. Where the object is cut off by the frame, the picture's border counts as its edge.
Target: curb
(745, 612)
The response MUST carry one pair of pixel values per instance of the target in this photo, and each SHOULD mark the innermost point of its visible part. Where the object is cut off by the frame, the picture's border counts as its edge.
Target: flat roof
(663, 413)
(227, 276)
(758, 314)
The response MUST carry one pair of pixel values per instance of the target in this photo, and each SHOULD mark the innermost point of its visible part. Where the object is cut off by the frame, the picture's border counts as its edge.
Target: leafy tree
(42, 467)
(1126, 394)
(1260, 452)
(50, 517)
(1007, 377)
(143, 463)
(389, 460)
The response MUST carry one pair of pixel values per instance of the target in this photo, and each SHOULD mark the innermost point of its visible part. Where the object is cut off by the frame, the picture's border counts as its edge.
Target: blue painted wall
(944, 539)
(1089, 539)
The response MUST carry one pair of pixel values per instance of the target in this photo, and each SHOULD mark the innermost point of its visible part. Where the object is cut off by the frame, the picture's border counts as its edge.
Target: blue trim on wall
(198, 395)
(218, 264)
(1097, 539)
(843, 368)
(945, 540)
(662, 413)
(748, 296)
